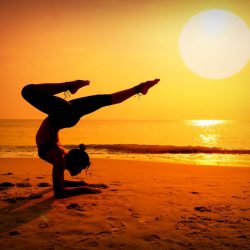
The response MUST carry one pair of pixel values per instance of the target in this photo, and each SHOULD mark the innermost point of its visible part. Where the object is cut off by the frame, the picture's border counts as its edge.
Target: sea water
(210, 142)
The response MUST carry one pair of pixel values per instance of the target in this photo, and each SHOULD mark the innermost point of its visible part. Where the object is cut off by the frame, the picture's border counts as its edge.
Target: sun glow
(215, 44)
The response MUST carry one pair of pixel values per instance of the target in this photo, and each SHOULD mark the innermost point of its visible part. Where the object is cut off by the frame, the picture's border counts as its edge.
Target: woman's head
(77, 159)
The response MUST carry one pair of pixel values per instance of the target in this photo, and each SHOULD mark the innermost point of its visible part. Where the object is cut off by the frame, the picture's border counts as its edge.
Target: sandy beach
(147, 205)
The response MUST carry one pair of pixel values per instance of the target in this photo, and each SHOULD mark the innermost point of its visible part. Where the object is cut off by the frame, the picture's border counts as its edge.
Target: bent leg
(60, 112)
(56, 88)
(52, 88)
(43, 100)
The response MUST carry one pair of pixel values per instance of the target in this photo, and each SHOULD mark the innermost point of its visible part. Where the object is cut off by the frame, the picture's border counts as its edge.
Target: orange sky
(115, 44)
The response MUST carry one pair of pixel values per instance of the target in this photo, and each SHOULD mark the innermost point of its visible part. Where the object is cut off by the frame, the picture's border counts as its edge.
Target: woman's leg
(66, 114)
(89, 104)
(42, 96)
(56, 88)
(43, 100)
(142, 88)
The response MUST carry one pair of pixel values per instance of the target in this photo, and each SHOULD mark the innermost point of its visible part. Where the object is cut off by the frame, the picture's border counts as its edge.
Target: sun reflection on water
(209, 140)
(207, 132)
(206, 123)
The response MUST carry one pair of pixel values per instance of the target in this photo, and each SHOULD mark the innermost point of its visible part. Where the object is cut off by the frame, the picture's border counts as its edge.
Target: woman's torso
(47, 139)
(47, 133)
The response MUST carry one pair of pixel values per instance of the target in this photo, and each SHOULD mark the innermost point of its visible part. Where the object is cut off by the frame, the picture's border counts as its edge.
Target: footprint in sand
(159, 217)
(194, 192)
(75, 206)
(100, 185)
(111, 219)
(35, 196)
(203, 209)
(23, 184)
(8, 174)
(43, 225)
(14, 233)
(115, 225)
(116, 183)
(243, 236)
(106, 232)
(113, 190)
(43, 184)
(244, 209)
(152, 237)
(238, 197)
(90, 242)
(133, 213)
(20, 198)
(6, 184)
(116, 228)
(10, 200)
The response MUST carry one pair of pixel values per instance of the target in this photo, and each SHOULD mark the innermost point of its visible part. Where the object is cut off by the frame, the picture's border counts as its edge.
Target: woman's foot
(145, 86)
(77, 84)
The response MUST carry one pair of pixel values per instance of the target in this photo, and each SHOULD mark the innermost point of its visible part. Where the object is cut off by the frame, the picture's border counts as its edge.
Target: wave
(164, 149)
(136, 149)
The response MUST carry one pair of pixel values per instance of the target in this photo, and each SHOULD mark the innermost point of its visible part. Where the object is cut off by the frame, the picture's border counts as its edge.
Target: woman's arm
(59, 184)
(60, 189)
(63, 188)
(58, 176)
(74, 183)
(80, 190)
(84, 184)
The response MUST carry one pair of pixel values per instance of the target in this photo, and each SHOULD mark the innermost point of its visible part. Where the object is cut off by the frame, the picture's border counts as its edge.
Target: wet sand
(148, 205)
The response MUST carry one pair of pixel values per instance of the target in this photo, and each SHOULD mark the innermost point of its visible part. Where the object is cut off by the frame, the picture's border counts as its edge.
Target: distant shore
(148, 205)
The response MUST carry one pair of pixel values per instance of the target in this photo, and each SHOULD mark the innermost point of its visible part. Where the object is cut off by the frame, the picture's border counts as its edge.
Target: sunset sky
(115, 44)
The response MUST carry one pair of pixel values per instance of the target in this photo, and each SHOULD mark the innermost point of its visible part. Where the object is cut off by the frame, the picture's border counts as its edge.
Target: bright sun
(215, 44)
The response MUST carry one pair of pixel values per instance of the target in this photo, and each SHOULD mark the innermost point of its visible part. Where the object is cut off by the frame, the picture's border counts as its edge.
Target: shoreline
(148, 205)
(149, 159)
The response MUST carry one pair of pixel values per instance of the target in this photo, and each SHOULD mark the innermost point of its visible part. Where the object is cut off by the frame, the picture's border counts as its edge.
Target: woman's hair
(77, 159)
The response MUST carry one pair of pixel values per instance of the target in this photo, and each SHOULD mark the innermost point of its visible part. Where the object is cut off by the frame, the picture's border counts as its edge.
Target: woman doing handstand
(65, 114)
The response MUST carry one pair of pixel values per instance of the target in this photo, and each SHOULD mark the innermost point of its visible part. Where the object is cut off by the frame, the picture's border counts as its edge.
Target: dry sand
(147, 206)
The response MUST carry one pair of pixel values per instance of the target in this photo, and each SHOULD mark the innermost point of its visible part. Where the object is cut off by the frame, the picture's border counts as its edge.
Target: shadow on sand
(21, 212)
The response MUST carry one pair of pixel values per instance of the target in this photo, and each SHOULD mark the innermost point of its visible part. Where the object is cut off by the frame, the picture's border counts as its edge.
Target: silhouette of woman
(65, 114)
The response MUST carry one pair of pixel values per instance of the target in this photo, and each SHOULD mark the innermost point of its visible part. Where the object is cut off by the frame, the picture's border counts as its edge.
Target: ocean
(206, 142)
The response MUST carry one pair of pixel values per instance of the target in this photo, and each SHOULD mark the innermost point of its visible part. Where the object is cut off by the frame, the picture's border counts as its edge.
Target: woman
(65, 114)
